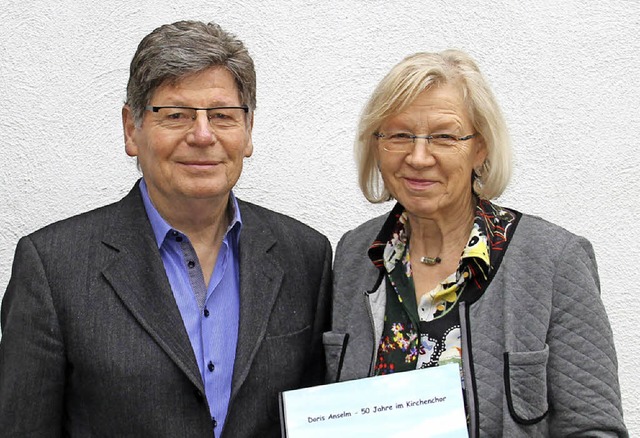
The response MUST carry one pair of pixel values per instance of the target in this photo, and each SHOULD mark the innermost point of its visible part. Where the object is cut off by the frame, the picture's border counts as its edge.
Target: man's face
(196, 160)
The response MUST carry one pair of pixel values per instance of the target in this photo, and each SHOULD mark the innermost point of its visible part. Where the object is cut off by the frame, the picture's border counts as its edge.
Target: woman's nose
(421, 155)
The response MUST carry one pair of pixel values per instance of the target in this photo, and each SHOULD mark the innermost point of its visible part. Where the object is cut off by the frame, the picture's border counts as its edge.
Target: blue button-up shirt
(210, 312)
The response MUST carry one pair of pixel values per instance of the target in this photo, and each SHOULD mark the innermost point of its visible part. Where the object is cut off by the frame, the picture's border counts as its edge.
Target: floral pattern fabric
(425, 334)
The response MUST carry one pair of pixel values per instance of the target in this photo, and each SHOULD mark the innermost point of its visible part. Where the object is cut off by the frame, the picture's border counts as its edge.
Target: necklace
(430, 260)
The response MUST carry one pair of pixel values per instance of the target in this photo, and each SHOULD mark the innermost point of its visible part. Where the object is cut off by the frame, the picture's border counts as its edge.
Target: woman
(450, 277)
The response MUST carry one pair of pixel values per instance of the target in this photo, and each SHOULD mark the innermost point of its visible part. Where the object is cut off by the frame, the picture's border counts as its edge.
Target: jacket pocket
(525, 379)
(287, 362)
(333, 345)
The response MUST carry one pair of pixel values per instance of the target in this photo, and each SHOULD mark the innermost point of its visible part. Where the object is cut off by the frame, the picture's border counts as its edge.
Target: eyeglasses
(405, 141)
(183, 117)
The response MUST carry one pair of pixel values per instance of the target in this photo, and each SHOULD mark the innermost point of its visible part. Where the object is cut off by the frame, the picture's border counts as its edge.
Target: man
(179, 311)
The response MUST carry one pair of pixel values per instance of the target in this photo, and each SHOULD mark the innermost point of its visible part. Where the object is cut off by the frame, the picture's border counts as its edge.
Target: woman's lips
(419, 183)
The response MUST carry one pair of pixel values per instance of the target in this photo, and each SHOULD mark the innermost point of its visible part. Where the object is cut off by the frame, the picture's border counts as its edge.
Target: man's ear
(248, 149)
(129, 128)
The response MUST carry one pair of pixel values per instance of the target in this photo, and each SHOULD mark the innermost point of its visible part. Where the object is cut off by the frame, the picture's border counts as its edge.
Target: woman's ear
(481, 153)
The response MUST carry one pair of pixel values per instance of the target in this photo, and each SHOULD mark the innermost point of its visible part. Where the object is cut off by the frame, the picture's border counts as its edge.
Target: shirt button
(191, 264)
(206, 313)
(215, 423)
(211, 366)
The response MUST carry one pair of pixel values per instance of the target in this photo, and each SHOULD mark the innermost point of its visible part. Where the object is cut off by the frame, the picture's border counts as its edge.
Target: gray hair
(402, 85)
(173, 51)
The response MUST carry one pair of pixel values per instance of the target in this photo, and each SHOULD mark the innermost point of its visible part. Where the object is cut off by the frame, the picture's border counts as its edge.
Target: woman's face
(432, 182)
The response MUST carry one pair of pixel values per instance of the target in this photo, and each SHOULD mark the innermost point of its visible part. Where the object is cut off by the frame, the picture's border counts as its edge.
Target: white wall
(565, 74)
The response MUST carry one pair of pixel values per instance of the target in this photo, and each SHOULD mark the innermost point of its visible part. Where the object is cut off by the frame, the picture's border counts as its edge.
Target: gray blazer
(538, 352)
(93, 343)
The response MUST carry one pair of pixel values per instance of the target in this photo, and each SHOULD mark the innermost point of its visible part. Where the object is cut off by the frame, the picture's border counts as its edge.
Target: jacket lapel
(136, 273)
(260, 280)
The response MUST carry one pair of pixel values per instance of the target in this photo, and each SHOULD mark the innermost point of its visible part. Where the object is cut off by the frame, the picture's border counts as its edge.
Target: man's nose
(201, 131)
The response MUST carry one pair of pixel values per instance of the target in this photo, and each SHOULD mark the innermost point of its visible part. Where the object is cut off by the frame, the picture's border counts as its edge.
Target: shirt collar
(161, 227)
(488, 231)
(376, 251)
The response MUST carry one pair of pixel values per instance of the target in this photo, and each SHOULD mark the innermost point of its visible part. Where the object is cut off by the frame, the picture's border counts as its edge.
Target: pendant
(430, 260)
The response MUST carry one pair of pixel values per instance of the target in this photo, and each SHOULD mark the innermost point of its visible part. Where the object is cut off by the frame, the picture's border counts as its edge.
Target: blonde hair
(402, 85)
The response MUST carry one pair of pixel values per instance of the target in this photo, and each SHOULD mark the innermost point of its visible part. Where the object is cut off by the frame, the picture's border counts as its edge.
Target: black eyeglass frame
(155, 109)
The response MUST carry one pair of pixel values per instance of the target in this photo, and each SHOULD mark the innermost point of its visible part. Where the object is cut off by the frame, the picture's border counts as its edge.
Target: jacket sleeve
(32, 359)
(582, 372)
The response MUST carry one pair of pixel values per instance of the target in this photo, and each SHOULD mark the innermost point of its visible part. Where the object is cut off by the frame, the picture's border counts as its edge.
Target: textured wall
(565, 74)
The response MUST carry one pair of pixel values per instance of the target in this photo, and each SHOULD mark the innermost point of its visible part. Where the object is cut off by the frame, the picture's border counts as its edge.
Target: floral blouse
(427, 333)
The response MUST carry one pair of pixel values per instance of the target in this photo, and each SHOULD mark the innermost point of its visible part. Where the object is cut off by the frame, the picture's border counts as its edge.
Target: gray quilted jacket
(537, 346)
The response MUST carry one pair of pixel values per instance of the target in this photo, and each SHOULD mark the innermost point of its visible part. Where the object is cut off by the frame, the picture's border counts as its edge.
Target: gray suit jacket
(93, 343)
